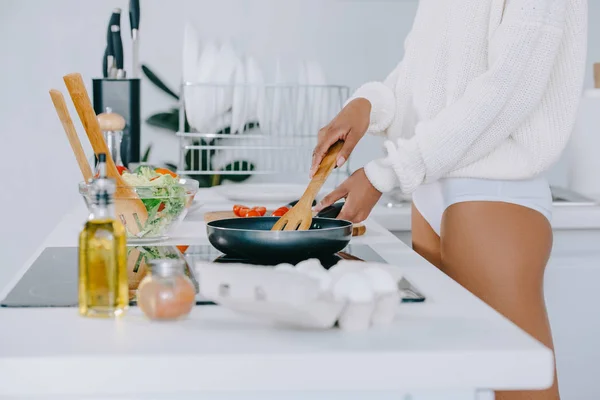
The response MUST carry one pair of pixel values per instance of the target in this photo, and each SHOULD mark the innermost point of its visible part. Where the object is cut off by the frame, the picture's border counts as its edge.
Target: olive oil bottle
(103, 287)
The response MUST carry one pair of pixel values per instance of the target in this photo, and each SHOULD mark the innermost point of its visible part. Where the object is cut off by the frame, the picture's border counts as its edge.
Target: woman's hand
(349, 125)
(361, 196)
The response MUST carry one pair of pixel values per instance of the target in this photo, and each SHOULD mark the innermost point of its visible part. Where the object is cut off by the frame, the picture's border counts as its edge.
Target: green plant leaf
(158, 82)
(167, 120)
(224, 131)
(215, 180)
(250, 125)
(198, 160)
(204, 181)
(164, 120)
(171, 166)
(238, 166)
(146, 155)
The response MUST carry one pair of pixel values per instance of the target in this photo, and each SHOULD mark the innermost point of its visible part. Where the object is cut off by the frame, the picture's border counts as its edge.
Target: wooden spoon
(300, 216)
(130, 208)
(65, 118)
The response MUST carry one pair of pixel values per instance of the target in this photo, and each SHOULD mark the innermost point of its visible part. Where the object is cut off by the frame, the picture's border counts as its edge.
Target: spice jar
(166, 292)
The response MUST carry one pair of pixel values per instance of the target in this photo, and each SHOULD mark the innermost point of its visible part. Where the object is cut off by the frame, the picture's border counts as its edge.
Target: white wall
(43, 40)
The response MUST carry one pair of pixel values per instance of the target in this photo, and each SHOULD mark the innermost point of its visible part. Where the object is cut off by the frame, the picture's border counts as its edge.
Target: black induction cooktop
(51, 281)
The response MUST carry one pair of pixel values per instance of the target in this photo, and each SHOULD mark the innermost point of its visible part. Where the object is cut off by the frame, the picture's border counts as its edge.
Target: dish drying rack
(235, 131)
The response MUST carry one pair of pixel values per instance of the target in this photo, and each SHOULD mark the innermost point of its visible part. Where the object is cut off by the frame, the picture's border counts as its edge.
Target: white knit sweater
(487, 89)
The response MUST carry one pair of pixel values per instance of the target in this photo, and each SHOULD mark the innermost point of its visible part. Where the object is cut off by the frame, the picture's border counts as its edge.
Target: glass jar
(103, 283)
(166, 293)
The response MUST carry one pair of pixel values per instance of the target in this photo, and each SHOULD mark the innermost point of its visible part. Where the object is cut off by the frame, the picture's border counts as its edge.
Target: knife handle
(117, 45)
(105, 63)
(293, 203)
(115, 19)
(134, 15)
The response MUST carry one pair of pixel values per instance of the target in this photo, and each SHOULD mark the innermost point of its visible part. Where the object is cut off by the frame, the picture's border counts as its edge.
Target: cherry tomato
(182, 248)
(164, 171)
(252, 213)
(236, 209)
(243, 212)
(121, 169)
(161, 207)
(260, 210)
(280, 212)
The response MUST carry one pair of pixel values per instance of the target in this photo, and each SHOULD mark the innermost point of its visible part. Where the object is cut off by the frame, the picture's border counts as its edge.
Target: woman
(483, 103)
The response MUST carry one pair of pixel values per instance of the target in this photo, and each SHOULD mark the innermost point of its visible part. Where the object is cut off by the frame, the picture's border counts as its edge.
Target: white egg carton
(356, 295)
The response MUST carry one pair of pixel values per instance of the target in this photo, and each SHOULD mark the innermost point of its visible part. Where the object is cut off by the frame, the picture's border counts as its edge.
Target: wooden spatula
(65, 118)
(300, 216)
(130, 209)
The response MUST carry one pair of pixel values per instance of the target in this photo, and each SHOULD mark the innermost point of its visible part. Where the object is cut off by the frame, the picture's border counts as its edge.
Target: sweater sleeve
(382, 99)
(384, 107)
(523, 48)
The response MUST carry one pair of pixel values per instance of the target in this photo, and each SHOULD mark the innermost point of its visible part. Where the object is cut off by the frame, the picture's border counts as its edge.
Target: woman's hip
(433, 199)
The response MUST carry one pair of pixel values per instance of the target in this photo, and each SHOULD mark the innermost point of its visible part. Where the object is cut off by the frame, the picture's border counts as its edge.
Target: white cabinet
(573, 300)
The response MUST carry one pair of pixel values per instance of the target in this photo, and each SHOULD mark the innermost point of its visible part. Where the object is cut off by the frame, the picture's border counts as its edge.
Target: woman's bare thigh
(424, 239)
(499, 252)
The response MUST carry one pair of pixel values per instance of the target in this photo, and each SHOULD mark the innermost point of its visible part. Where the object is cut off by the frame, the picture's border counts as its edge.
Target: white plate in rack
(265, 193)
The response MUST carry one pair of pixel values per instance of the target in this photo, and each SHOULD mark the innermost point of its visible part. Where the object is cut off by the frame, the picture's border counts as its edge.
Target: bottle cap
(167, 266)
(103, 188)
(101, 165)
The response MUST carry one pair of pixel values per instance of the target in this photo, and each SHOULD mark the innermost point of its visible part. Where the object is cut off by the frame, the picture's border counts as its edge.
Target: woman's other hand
(350, 125)
(361, 196)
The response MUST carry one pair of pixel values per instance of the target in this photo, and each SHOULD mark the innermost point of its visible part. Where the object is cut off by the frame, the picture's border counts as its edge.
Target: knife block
(124, 97)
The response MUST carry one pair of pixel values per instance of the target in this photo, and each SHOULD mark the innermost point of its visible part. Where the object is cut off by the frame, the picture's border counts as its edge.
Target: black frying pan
(252, 238)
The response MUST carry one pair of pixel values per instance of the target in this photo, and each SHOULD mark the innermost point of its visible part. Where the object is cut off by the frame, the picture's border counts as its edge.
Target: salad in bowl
(165, 195)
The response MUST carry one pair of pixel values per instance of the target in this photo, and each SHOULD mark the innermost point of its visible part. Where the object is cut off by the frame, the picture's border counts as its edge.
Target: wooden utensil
(597, 76)
(300, 216)
(65, 118)
(137, 268)
(130, 208)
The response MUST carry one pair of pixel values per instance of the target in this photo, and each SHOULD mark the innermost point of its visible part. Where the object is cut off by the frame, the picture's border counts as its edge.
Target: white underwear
(432, 199)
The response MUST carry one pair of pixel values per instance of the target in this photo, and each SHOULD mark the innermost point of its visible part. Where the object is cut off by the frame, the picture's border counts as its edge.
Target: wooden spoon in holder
(130, 209)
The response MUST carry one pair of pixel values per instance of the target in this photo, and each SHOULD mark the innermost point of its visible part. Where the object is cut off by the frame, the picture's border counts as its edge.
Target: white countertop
(452, 341)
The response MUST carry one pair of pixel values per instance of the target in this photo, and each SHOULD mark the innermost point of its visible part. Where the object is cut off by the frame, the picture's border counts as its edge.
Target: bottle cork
(597, 76)
(110, 121)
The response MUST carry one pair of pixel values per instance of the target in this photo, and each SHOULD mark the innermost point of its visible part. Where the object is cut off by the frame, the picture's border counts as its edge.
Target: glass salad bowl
(167, 199)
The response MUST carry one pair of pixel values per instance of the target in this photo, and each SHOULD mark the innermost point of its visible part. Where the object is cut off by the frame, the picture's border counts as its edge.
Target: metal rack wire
(233, 130)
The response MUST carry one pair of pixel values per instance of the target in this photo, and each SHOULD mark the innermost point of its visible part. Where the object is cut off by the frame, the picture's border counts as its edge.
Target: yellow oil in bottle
(103, 286)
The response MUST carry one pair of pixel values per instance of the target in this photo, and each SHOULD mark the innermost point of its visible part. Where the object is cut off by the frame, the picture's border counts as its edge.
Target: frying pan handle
(332, 211)
(293, 203)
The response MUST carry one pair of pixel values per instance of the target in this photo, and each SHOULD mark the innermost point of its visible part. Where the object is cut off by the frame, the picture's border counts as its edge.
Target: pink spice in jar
(166, 293)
